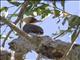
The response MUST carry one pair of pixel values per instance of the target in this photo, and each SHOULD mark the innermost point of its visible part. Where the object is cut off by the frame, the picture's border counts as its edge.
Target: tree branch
(20, 16)
(13, 26)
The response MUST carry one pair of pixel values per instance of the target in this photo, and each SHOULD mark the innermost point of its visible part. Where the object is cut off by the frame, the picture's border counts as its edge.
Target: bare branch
(20, 16)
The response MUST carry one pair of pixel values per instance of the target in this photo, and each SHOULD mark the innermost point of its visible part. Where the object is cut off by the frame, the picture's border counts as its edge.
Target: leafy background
(53, 23)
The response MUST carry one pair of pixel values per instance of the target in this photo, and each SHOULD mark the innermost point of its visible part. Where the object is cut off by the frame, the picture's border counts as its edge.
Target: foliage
(3, 8)
(43, 9)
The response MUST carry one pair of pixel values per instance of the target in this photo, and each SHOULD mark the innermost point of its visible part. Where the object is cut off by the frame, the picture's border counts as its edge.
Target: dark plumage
(30, 28)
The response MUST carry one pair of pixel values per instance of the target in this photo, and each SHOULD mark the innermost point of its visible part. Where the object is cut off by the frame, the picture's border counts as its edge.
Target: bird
(31, 27)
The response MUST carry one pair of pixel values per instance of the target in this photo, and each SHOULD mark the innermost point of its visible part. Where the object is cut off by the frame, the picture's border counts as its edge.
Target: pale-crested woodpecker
(31, 27)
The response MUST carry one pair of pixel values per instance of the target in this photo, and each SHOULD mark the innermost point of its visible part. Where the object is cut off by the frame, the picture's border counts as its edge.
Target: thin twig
(10, 30)
(59, 35)
(60, 9)
(62, 33)
(20, 16)
(73, 42)
(63, 11)
(6, 37)
(13, 26)
(70, 48)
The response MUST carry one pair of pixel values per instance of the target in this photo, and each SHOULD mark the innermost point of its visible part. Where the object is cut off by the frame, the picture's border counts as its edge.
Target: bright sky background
(49, 25)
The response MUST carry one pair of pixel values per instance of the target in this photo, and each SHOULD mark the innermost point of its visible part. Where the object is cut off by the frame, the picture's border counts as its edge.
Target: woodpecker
(31, 27)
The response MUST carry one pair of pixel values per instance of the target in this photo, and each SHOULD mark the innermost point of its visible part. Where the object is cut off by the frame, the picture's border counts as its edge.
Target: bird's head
(30, 20)
(29, 26)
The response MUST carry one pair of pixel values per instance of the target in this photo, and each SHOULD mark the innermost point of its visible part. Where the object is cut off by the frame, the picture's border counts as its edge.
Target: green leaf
(42, 10)
(3, 8)
(69, 30)
(57, 13)
(14, 2)
(74, 21)
(45, 13)
(32, 7)
(14, 15)
(1, 36)
(34, 1)
(29, 9)
(74, 35)
(63, 4)
(43, 6)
